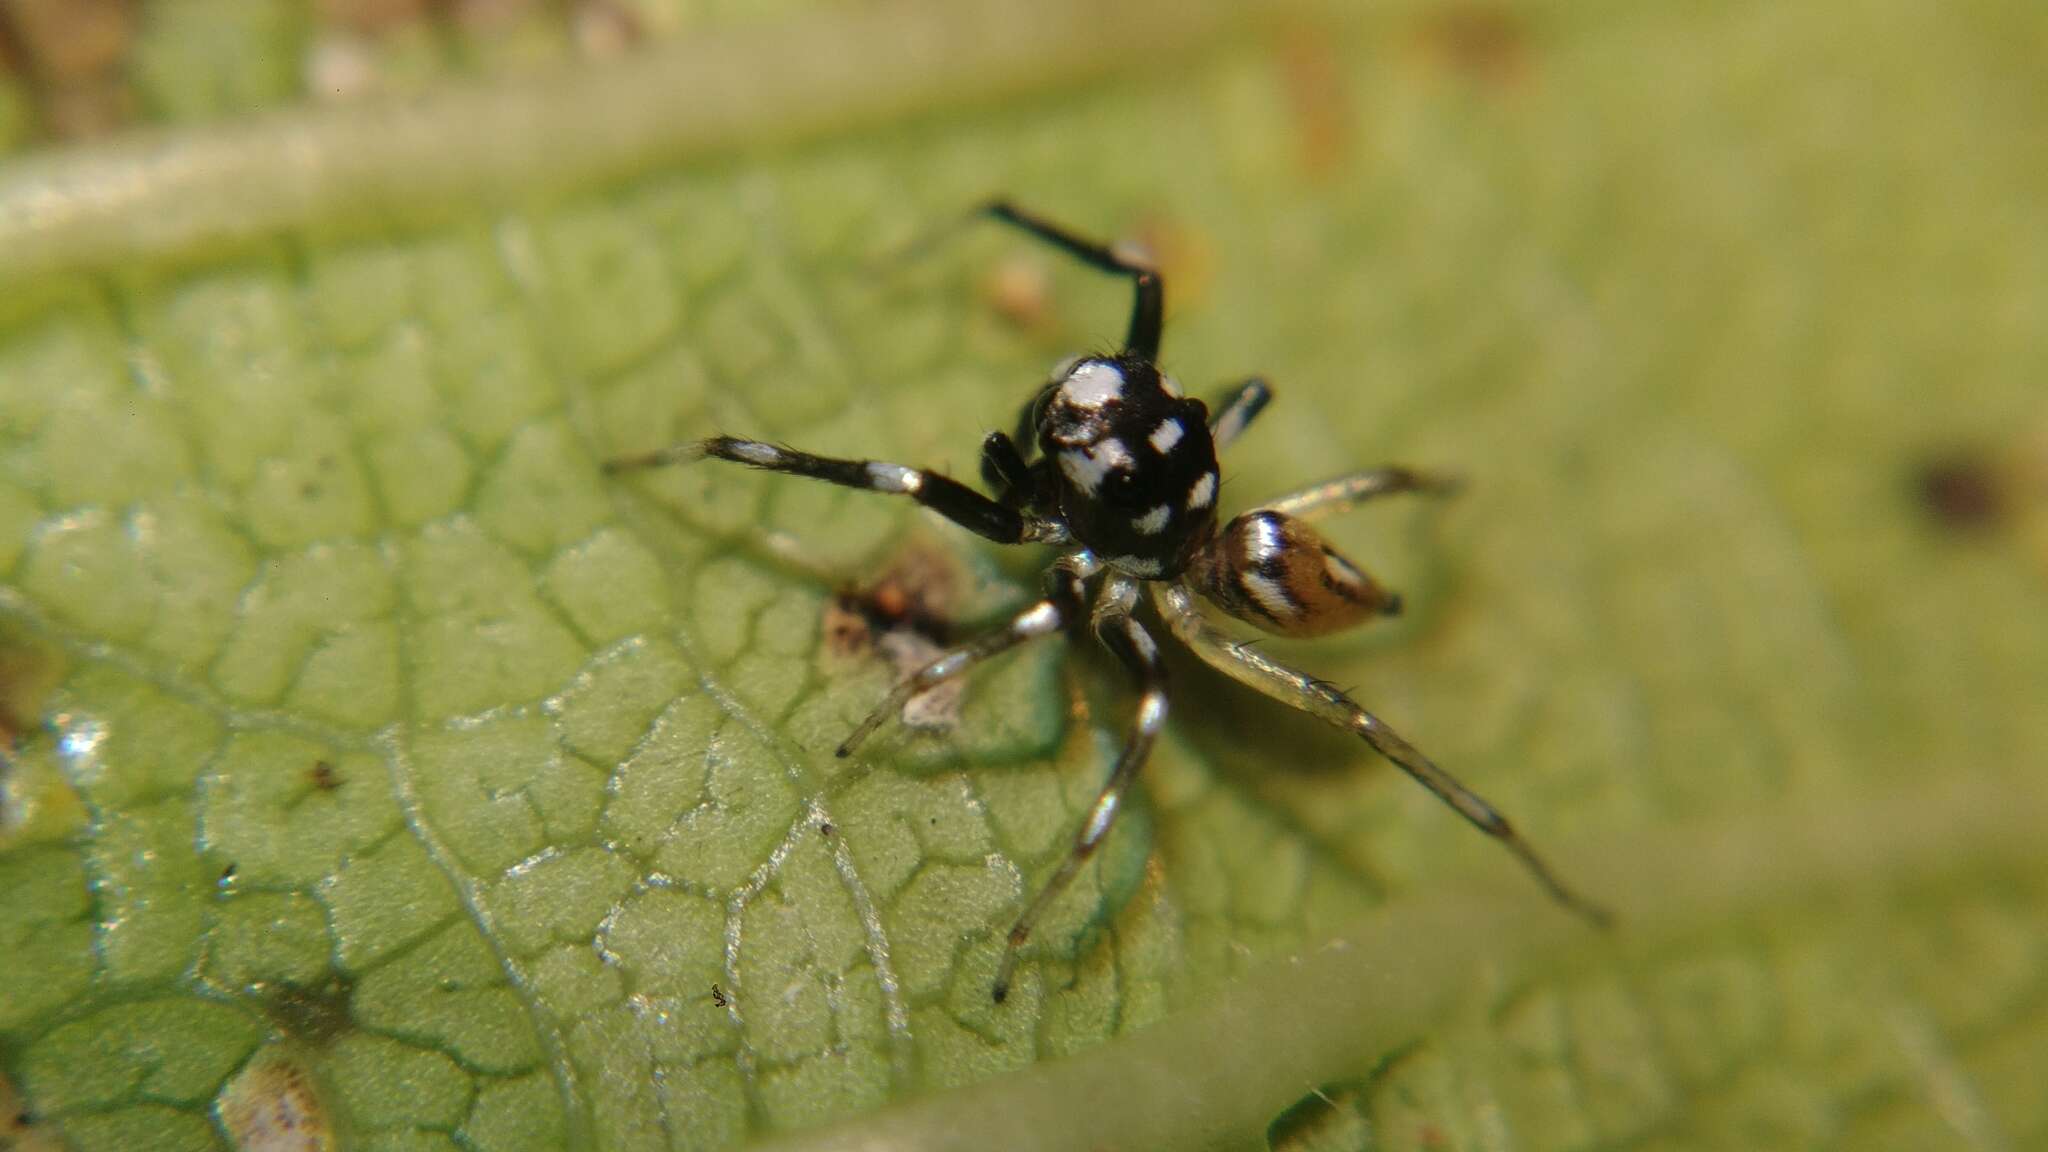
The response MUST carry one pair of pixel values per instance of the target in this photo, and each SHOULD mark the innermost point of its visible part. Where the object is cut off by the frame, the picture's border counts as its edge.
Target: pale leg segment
(1063, 602)
(1121, 633)
(1238, 410)
(1355, 488)
(1300, 690)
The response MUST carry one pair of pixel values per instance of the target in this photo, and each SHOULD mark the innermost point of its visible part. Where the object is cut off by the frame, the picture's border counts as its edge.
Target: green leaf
(386, 767)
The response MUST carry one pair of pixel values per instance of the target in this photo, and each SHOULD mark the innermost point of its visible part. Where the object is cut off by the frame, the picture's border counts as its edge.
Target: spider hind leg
(1318, 698)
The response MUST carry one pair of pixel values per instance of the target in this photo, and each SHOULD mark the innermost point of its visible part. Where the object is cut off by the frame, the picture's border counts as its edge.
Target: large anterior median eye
(1276, 573)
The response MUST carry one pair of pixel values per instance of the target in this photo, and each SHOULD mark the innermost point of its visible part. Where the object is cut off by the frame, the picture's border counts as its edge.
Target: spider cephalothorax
(1109, 455)
(1131, 462)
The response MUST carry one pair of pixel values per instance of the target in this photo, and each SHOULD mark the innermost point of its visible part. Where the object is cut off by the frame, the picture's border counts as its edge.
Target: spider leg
(948, 497)
(1252, 669)
(1238, 410)
(1355, 488)
(1063, 602)
(1121, 633)
(1147, 309)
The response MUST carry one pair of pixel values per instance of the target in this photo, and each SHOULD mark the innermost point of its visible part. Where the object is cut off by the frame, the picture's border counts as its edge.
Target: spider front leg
(1064, 596)
(1238, 410)
(944, 495)
(1176, 605)
(1121, 633)
(1148, 306)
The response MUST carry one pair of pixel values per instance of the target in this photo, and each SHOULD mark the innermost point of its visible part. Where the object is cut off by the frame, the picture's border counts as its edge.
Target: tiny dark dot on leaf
(1962, 492)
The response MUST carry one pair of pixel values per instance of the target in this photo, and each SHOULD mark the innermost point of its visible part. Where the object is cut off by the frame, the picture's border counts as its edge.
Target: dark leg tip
(1394, 605)
(1001, 992)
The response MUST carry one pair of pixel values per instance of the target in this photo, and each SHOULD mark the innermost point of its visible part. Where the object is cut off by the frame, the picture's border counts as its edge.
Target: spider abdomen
(1274, 571)
(1133, 462)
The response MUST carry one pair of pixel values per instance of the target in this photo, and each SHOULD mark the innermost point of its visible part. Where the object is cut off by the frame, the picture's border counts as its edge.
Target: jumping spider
(1111, 458)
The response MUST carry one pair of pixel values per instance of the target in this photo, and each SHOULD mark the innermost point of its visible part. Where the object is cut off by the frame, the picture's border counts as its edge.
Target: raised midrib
(1365, 993)
(158, 194)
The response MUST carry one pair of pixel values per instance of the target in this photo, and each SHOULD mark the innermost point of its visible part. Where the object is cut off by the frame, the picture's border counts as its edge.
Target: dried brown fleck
(315, 1014)
(1484, 42)
(1318, 98)
(1963, 492)
(1184, 256)
(29, 671)
(916, 593)
(1019, 289)
(326, 776)
(371, 17)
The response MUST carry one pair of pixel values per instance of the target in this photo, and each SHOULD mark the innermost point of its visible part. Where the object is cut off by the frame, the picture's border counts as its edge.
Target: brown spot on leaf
(916, 593)
(906, 616)
(371, 17)
(1964, 492)
(1318, 98)
(29, 671)
(1483, 42)
(326, 776)
(1184, 256)
(719, 998)
(604, 29)
(20, 1129)
(314, 1014)
(77, 52)
(1019, 289)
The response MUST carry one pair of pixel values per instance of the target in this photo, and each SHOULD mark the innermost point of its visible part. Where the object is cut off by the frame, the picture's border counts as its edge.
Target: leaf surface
(381, 758)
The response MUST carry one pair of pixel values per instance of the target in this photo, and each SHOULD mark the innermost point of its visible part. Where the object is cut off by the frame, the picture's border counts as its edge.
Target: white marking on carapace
(1083, 470)
(1203, 493)
(1087, 466)
(1165, 436)
(1272, 597)
(1092, 385)
(1154, 522)
(894, 478)
(1137, 565)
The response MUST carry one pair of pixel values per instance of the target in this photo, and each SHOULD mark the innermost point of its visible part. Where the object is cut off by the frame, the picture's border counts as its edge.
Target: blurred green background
(375, 759)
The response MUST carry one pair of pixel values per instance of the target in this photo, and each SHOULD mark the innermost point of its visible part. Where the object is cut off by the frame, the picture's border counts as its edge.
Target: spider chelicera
(1111, 458)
